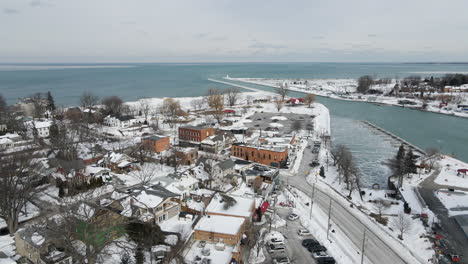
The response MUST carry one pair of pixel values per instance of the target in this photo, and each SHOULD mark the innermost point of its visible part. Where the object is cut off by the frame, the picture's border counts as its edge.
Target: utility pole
(329, 217)
(363, 246)
(312, 200)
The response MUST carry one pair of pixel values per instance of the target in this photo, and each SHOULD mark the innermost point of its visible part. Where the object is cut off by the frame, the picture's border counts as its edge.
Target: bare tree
(279, 103)
(282, 90)
(216, 103)
(88, 100)
(86, 233)
(113, 104)
(171, 110)
(145, 108)
(17, 186)
(364, 83)
(309, 99)
(432, 157)
(380, 206)
(232, 94)
(145, 174)
(39, 104)
(249, 99)
(337, 153)
(402, 223)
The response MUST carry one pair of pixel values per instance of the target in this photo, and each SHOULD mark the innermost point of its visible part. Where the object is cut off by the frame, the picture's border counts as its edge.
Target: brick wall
(156, 145)
(195, 134)
(263, 156)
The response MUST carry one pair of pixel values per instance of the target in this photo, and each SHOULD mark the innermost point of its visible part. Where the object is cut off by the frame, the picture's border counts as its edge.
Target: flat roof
(240, 208)
(220, 224)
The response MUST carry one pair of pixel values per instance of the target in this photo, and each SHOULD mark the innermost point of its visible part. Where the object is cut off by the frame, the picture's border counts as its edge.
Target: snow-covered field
(448, 173)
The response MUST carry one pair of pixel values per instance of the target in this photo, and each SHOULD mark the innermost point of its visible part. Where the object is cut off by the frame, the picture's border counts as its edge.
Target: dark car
(316, 248)
(309, 242)
(326, 260)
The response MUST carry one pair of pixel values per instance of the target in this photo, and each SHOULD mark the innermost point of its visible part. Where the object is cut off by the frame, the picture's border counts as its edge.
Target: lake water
(450, 134)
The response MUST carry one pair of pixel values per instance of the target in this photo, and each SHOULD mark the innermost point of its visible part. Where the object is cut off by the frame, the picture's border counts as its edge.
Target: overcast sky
(233, 30)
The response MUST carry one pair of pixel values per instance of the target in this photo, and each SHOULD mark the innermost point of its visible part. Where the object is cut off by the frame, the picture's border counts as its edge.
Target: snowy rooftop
(242, 207)
(220, 224)
(216, 256)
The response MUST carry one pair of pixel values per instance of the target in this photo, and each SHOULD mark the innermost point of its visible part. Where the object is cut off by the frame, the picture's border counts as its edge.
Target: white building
(43, 128)
(119, 121)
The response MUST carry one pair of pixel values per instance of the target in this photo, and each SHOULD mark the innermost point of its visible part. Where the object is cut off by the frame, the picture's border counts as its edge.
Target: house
(183, 185)
(275, 156)
(120, 121)
(42, 127)
(242, 165)
(192, 135)
(243, 207)
(218, 142)
(153, 204)
(35, 245)
(156, 143)
(68, 171)
(117, 162)
(9, 141)
(186, 156)
(223, 168)
(256, 172)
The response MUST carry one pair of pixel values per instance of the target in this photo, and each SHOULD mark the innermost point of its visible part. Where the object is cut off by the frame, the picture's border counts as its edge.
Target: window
(269, 156)
(275, 157)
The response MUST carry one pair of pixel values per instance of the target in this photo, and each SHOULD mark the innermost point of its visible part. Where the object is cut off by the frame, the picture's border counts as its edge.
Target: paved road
(376, 251)
(455, 239)
(296, 251)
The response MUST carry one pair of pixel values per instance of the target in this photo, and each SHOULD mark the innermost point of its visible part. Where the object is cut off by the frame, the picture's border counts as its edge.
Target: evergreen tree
(139, 256)
(50, 102)
(410, 162)
(322, 172)
(61, 192)
(397, 165)
(35, 133)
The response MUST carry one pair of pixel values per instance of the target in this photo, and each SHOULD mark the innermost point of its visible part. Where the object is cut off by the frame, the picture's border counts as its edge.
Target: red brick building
(274, 157)
(156, 143)
(195, 134)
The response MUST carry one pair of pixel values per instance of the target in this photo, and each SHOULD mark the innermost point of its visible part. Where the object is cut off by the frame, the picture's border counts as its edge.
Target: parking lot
(293, 242)
(283, 125)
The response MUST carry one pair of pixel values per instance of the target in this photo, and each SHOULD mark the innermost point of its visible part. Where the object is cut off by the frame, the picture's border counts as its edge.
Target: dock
(395, 137)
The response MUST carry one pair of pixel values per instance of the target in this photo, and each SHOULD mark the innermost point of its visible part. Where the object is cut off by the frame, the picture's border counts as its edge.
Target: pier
(395, 137)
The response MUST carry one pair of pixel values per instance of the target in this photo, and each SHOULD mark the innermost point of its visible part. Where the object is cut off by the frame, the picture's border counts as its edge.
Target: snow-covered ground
(455, 202)
(345, 89)
(448, 173)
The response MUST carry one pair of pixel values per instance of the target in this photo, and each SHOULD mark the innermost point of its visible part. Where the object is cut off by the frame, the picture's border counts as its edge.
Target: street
(376, 251)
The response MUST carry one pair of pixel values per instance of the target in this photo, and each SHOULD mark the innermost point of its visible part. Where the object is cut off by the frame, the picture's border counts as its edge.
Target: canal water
(371, 149)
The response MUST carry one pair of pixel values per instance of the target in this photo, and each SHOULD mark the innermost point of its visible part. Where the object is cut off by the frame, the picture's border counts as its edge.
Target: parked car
(282, 260)
(293, 217)
(315, 150)
(276, 248)
(309, 242)
(326, 260)
(320, 254)
(275, 241)
(316, 248)
(315, 163)
(303, 232)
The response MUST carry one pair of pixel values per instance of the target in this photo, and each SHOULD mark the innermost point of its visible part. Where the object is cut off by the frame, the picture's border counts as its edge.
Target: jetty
(395, 137)
(240, 86)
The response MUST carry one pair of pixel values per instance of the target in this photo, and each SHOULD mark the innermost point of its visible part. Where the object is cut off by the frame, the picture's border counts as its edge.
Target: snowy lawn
(455, 202)
(448, 173)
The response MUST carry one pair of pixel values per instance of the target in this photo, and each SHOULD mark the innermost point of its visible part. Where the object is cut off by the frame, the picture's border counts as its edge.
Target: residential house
(186, 156)
(223, 168)
(156, 143)
(42, 127)
(120, 121)
(38, 248)
(218, 142)
(183, 185)
(72, 172)
(153, 204)
(9, 141)
(117, 162)
(193, 135)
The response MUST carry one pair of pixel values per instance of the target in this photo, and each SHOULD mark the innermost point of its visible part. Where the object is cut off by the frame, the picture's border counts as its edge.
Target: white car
(293, 217)
(303, 232)
(320, 254)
